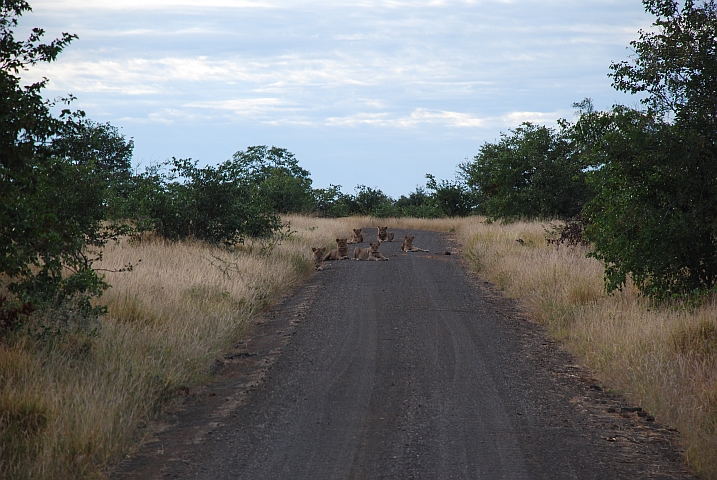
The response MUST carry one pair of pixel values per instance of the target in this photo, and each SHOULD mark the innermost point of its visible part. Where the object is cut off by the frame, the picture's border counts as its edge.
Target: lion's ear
(313, 249)
(338, 240)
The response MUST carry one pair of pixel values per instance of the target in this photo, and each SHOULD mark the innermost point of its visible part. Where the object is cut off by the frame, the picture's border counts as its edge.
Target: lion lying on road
(358, 236)
(384, 235)
(370, 253)
(319, 257)
(408, 245)
(341, 252)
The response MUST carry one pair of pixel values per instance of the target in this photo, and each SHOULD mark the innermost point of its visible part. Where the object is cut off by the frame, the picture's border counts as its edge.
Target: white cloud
(149, 4)
(513, 119)
(441, 75)
(251, 108)
(442, 117)
(421, 117)
(168, 4)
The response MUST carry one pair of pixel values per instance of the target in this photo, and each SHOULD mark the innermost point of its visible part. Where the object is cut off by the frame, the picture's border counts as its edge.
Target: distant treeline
(641, 181)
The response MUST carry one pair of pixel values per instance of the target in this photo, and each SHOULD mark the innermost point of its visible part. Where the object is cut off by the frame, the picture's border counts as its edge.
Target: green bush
(53, 186)
(531, 173)
(655, 215)
(213, 204)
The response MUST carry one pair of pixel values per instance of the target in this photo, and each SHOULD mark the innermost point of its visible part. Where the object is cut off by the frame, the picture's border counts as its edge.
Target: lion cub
(408, 245)
(384, 235)
(319, 257)
(370, 253)
(358, 236)
(341, 252)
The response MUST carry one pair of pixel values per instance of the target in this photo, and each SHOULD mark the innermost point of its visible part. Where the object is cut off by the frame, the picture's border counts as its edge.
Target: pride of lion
(372, 252)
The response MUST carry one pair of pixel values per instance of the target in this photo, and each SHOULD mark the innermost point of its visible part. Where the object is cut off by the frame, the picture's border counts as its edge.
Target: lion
(358, 236)
(408, 245)
(370, 253)
(341, 252)
(319, 257)
(383, 235)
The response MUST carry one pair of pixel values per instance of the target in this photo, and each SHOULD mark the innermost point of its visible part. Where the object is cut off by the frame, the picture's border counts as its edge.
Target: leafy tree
(332, 202)
(530, 172)
(451, 199)
(100, 145)
(674, 64)
(655, 216)
(214, 204)
(52, 204)
(222, 205)
(418, 204)
(282, 183)
(370, 201)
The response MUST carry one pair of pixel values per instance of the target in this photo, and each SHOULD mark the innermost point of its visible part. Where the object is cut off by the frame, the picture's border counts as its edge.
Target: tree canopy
(529, 173)
(52, 204)
(655, 213)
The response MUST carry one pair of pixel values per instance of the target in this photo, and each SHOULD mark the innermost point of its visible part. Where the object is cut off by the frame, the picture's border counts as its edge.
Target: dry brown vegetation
(76, 401)
(661, 357)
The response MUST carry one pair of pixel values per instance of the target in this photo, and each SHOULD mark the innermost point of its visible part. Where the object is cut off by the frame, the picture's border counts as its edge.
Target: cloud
(168, 4)
(149, 4)
(449, 119)
(513, 119)
(426, 79)
(442, 117)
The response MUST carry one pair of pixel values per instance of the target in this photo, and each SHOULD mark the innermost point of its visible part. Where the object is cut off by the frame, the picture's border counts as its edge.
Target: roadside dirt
(411, 368)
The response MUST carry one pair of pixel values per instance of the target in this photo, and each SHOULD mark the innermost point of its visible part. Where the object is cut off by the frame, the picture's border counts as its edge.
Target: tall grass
(75, 400)
(661, 357)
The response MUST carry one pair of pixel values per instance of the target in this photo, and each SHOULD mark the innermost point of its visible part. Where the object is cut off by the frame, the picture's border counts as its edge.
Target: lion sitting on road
(341, 252)
(319, 257)
(408, 245)
(370, 253)
(384, 235)
(358, 236)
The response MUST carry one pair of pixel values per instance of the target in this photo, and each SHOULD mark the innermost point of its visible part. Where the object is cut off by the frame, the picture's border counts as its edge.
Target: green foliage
(655, 216)
(451, 199)
(371, 201)
(281, 182)
(52, 199)
(530, 172)
(675, 63)
(438, 199)
(215, 204)
(418, 204)
(331, 202)
(103, 148)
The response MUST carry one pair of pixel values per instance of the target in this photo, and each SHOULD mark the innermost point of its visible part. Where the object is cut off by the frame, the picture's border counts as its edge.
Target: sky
(366, 92)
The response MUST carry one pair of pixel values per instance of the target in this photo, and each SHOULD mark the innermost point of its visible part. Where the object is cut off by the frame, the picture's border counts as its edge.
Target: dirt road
(410, 368)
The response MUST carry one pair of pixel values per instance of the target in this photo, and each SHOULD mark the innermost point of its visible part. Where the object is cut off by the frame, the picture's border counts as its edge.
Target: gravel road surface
(407, 368)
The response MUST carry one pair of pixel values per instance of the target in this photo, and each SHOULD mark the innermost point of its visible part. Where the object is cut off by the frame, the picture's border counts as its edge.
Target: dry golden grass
(73, 403)
(664, 359)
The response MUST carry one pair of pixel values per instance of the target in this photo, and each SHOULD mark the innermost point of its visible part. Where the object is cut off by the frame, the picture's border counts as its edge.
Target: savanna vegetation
(119, 288)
